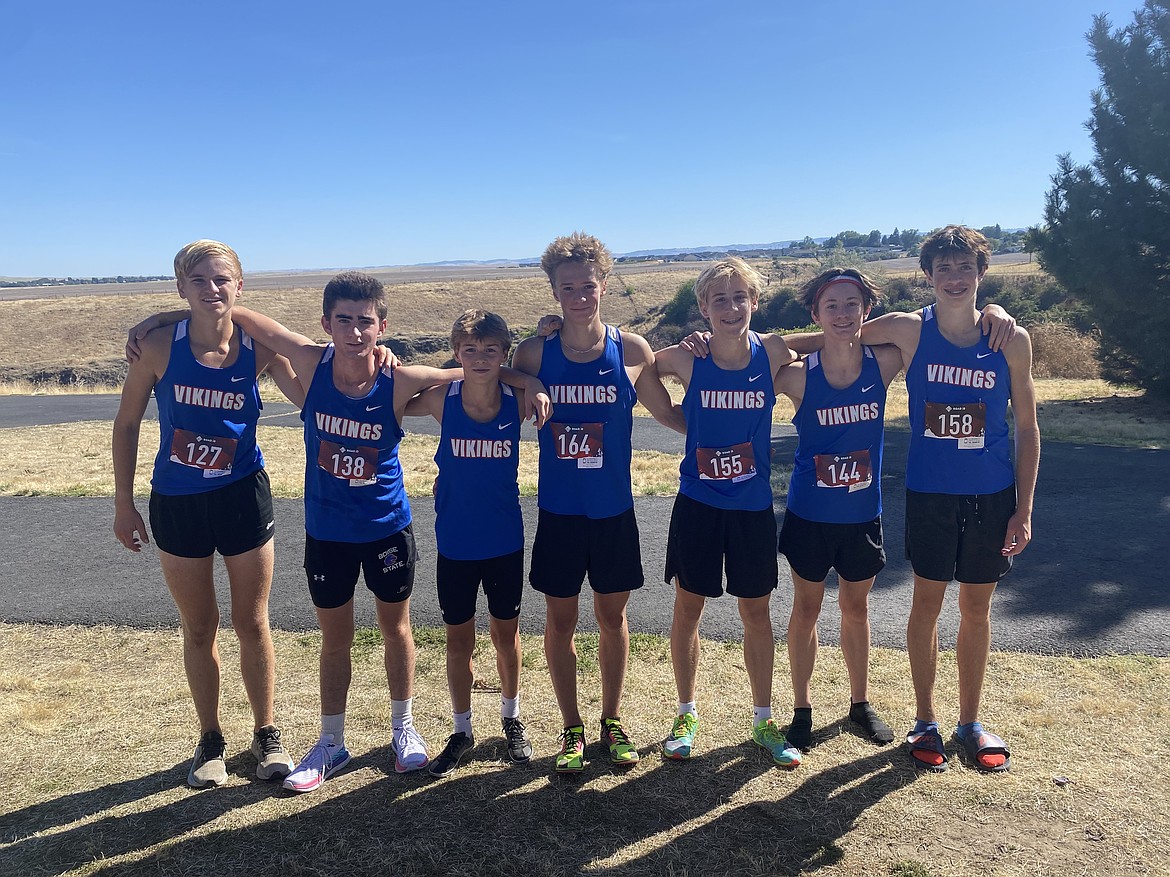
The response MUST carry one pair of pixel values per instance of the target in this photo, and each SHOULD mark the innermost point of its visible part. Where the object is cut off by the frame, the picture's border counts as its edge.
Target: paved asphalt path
(1092, 582)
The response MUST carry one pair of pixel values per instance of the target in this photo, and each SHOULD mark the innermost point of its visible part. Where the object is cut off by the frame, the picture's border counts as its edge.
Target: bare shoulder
(1018, 351)
(156, 348)
(528, 354)
(672, 359)
(637, 349)
(779, 353)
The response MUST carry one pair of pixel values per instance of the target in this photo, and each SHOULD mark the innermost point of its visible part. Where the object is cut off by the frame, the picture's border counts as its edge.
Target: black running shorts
(233, 519)
(332, 568)
(459, 580)
(704, 541)
(959, 537)
(812, 548)
(569, 547)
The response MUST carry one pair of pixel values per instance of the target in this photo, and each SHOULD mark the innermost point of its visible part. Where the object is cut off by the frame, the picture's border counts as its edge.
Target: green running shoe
(769, 735)
(682, 737)
(621, 749)
(571, 758)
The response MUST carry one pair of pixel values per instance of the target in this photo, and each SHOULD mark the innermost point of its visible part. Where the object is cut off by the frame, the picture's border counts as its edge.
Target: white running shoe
(410, 752)
(321, 762)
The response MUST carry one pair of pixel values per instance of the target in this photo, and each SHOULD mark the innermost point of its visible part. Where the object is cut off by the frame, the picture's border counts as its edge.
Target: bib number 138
(358, 466)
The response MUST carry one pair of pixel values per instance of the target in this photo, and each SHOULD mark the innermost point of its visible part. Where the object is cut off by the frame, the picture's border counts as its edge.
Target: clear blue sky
(309, 135)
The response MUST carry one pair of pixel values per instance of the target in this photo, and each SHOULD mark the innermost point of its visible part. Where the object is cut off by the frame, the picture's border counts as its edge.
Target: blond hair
(196, 251)
(732, 266)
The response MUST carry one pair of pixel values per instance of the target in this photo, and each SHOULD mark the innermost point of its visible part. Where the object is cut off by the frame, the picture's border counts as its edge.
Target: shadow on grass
(45, 839)
(701, 816)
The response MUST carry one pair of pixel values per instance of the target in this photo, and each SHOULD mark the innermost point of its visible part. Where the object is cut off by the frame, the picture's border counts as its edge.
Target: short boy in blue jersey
(478, 526)
(968, 506)
(595, 374)
(723, 517)
(209, 491)
(833, 515)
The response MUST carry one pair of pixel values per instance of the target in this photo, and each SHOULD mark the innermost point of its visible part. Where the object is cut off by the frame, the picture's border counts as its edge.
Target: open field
(44, 336)
(76, 334)
(113, 703)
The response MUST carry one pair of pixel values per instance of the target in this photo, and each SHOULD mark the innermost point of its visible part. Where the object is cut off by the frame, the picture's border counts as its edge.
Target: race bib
(851, 471)
(358, 466)
(964, 423)
(582, 442)
(734, 464)
(212, 453)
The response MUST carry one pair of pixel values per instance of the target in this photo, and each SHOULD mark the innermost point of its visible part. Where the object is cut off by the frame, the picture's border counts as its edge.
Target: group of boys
(722, 527)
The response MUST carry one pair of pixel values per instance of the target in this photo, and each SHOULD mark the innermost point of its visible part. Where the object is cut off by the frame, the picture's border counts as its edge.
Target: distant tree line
(77, 281)
(846, 247)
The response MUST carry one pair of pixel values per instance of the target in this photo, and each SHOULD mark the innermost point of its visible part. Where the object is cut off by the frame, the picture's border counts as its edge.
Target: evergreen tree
(1106, 235)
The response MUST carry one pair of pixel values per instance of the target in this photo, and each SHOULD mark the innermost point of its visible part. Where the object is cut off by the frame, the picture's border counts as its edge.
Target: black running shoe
(519, 747)
(445, 762)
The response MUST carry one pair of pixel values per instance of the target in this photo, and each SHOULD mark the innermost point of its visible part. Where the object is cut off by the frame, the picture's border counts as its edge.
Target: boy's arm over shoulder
(139, 332)
(410, 380)
(889, 359)
(790, 381)
(303, 353)
(282, 374)
(676, 361)
(998, 325)
(643, 371)
(428, 403)
(1018, 353)
(804, 343)
(896, 328)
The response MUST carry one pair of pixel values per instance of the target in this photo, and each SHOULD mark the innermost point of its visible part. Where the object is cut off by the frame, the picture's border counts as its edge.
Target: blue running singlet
(959, 438)
(353, 478)
(837, 477)
(728, 456)
(207, 420)
(585, 448)
(477, 501)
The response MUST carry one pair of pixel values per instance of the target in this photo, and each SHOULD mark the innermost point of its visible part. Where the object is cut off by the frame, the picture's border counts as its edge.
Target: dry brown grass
(89, 332)
(106, 713)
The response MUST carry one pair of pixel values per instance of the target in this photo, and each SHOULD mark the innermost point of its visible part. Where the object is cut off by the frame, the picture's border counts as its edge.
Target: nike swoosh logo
(754, 378)
(373, 407)
(982, 355)
(867, 389)
(604, 372)
(506, 425)
(237, 378)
